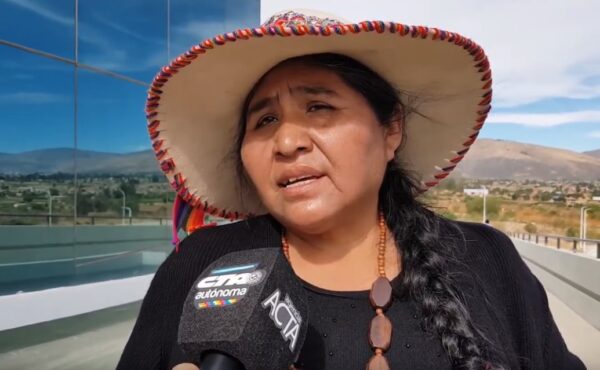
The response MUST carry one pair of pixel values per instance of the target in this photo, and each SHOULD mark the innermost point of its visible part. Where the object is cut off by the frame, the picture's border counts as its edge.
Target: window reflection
(36, 171)
(127, 37)
(119, 178)
(121, 199)
(44, 25)
(194, 21)
(37, 166)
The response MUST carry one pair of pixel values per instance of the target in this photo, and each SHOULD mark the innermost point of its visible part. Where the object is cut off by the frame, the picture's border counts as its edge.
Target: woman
(335, 155)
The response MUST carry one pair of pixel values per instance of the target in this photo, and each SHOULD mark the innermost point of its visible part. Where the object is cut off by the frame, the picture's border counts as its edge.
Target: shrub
(531, 228)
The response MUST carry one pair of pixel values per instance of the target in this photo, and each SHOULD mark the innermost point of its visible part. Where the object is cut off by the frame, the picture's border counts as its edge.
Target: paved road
(581, 338)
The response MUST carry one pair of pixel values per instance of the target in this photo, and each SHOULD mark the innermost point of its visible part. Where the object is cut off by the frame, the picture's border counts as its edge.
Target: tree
(84, 204)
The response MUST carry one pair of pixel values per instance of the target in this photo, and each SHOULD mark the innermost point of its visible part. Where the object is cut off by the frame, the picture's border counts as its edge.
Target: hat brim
(194, 104)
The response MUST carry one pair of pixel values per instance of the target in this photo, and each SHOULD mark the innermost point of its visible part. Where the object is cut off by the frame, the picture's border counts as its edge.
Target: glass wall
(81, 197)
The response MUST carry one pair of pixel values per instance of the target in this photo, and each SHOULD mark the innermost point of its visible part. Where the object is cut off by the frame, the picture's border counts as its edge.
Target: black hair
(425, 253)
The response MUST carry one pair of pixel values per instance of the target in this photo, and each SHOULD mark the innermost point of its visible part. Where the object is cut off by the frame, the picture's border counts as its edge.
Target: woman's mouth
(298, 181)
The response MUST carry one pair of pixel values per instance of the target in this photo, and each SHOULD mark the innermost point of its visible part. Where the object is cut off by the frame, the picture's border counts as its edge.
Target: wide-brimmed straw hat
(194, 103)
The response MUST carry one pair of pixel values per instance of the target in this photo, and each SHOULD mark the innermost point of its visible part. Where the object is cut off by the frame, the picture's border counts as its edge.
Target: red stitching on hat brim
(482, 65)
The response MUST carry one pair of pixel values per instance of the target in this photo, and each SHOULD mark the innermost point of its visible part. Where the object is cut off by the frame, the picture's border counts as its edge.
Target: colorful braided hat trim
(193, 103)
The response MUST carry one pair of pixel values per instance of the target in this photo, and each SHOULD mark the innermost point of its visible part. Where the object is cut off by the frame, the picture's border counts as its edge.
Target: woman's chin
(305, 219)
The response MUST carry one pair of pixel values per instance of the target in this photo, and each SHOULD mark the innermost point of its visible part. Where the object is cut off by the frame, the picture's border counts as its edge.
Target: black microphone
(247, 310)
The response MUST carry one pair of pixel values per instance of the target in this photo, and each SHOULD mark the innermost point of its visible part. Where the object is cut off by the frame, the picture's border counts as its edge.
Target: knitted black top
(505, 301)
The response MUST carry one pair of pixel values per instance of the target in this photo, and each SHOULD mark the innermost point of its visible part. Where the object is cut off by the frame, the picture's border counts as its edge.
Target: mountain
(593, 153)
(500, 159)
(487, 158)
(49, 161)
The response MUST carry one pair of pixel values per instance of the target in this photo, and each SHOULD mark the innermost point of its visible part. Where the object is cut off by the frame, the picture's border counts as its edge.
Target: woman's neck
(343, 257)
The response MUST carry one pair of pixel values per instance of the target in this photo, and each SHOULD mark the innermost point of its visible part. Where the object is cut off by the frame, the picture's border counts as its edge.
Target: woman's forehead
(298, 78)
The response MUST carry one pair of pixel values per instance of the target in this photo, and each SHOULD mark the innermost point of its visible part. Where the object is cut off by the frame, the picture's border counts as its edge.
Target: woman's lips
(296, 174)
(302, 187)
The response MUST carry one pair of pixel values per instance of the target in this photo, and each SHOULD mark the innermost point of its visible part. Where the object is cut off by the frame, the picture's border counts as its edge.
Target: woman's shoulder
(482, 242)
(490, 256)
(207, 244)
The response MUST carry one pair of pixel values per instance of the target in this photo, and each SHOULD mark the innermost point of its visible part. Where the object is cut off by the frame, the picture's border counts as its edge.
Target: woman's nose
(291, 138)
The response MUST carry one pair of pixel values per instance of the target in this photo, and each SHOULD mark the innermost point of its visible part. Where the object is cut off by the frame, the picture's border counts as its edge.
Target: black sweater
(506, 302)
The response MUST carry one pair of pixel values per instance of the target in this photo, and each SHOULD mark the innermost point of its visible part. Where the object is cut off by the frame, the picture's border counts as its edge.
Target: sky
(545, 58)
(545, 63)
(128, 37)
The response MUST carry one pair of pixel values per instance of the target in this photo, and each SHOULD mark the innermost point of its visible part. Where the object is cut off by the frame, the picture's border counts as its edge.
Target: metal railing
(576, 245)
(64, 220)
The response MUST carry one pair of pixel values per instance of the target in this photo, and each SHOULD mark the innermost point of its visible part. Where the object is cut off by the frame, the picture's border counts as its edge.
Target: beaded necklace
(380, 330)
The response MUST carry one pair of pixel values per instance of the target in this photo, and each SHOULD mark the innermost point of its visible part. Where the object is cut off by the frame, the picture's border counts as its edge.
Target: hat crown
(297, 18)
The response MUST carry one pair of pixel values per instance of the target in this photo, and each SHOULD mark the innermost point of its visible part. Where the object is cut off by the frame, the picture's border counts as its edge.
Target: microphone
(247, 310)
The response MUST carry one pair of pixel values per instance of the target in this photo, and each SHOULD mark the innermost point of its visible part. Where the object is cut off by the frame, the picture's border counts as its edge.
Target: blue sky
(128, 37)
(545, 60)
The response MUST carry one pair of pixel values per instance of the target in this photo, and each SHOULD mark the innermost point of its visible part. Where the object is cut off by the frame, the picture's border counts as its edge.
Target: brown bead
(380, 332)
(381, 293)
(378, 362)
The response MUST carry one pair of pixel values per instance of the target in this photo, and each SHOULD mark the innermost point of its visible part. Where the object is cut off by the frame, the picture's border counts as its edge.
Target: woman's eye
(265, 121)
(318, 106)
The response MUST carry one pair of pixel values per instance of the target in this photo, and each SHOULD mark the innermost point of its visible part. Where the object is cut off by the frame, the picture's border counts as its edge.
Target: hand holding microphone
(246, 311)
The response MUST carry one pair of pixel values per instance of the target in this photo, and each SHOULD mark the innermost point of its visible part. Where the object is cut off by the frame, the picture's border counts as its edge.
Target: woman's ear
(393, 137)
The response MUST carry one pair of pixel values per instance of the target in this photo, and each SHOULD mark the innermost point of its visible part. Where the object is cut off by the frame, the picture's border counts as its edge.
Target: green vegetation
(26, 200)
(475, 205)
(531, 228)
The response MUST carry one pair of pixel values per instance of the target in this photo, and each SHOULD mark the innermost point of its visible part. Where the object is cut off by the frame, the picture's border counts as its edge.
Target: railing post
(598, 250)
(537, 237)
(557, 242)
(545, 240)
(130, 218)
(574, 245)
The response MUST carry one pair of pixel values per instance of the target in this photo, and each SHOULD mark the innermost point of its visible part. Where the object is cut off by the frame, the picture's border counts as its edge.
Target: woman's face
(314, 149)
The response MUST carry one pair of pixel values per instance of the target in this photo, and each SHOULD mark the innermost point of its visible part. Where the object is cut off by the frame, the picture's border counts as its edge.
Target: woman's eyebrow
(262, 103)
(313, 90)
(309, 90)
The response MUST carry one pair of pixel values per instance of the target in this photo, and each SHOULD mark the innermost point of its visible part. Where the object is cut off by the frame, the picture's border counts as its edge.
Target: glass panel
(36, 168)
(44, 25)
(122, 199)
(36, 172)
(195, 21)
(116, 153)
(127, 37)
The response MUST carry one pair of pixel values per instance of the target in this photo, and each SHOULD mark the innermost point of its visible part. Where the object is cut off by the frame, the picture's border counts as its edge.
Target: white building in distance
(476, 192)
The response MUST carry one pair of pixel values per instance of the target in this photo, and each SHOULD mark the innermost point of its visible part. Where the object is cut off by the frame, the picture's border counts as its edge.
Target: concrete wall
(42, 252)
(573, 278)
